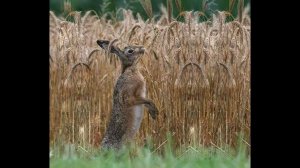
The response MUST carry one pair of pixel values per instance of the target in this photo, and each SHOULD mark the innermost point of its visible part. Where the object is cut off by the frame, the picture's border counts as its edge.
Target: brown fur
(129, 94)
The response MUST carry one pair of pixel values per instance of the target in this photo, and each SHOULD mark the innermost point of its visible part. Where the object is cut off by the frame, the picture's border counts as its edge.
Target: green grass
(144, 158)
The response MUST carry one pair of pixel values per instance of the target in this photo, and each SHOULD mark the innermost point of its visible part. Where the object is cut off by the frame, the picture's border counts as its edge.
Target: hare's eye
(130, 51)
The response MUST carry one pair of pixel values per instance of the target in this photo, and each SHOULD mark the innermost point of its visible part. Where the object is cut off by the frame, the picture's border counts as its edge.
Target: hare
(128, 97)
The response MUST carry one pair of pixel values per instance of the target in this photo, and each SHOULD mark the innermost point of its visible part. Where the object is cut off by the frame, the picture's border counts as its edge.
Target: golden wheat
(197, 74)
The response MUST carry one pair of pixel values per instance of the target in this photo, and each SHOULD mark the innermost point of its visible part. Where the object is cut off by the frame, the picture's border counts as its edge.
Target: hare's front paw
(153, 112)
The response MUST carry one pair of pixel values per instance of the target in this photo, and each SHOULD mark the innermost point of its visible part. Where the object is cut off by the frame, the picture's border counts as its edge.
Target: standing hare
(128, 97)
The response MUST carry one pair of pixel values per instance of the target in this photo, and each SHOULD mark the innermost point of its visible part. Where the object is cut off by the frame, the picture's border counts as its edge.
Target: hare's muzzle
(142, 50)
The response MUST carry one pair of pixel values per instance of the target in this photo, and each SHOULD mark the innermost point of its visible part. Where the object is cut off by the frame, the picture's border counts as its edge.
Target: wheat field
(197, 74)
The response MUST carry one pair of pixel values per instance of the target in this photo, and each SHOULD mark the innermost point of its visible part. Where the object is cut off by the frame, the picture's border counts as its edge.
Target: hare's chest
(138, 116)
(138, 112)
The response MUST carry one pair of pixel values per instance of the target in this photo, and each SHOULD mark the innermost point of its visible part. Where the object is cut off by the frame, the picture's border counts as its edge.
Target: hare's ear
(104, 45)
